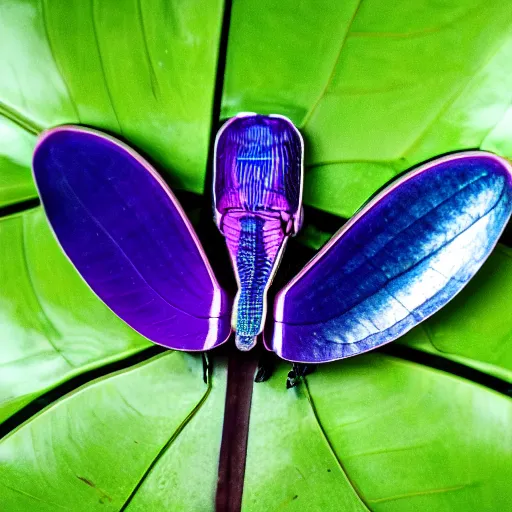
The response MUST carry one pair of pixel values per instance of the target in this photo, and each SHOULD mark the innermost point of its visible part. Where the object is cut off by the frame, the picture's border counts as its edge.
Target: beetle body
(257, 206)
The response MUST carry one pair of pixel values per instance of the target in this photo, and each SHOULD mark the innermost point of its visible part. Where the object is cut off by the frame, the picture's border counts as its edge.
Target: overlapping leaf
(378, 433)
(120, 443)
(52, 326)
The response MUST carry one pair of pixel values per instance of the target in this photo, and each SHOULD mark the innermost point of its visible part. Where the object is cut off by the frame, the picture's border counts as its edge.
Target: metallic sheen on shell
(258, 205)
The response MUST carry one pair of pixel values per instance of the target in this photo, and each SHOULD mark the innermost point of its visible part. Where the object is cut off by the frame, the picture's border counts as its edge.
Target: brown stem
(241, 369)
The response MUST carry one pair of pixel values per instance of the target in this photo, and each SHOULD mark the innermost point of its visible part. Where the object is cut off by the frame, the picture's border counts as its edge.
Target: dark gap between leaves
(448, 366)
(70, 385)
(241, 367)
(20, 207)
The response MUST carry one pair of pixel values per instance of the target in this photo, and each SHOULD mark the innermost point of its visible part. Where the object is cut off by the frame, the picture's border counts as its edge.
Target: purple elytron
(258, 205)
(400, 259)
(128, 237)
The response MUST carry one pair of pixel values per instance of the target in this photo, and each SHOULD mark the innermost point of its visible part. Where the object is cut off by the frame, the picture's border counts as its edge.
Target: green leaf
(475, 328)
(52, 326)
(16, 146)
(378, 433)
(144, 71)
(375, 86)
(140, 439)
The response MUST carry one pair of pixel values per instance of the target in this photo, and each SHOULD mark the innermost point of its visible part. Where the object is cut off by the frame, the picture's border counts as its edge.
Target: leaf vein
(54, 57)
(50, 330)
(20, 120)
(330, 446)
(420, 493)
(308, 115)
(152, 75)
(168, 444)
(102, 65)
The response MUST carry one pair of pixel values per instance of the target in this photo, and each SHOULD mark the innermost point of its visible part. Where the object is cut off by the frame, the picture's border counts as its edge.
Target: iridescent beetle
(401, 258)
(257, 193)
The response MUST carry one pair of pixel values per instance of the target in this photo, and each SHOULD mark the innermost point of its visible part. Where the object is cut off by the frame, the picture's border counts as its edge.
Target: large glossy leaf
(107, 446)
(378, 433)
(375, 86)
(142, 70)
(52, 326)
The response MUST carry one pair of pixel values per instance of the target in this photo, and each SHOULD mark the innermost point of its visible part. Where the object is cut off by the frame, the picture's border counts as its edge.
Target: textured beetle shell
(258, 193)
(258, 165)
